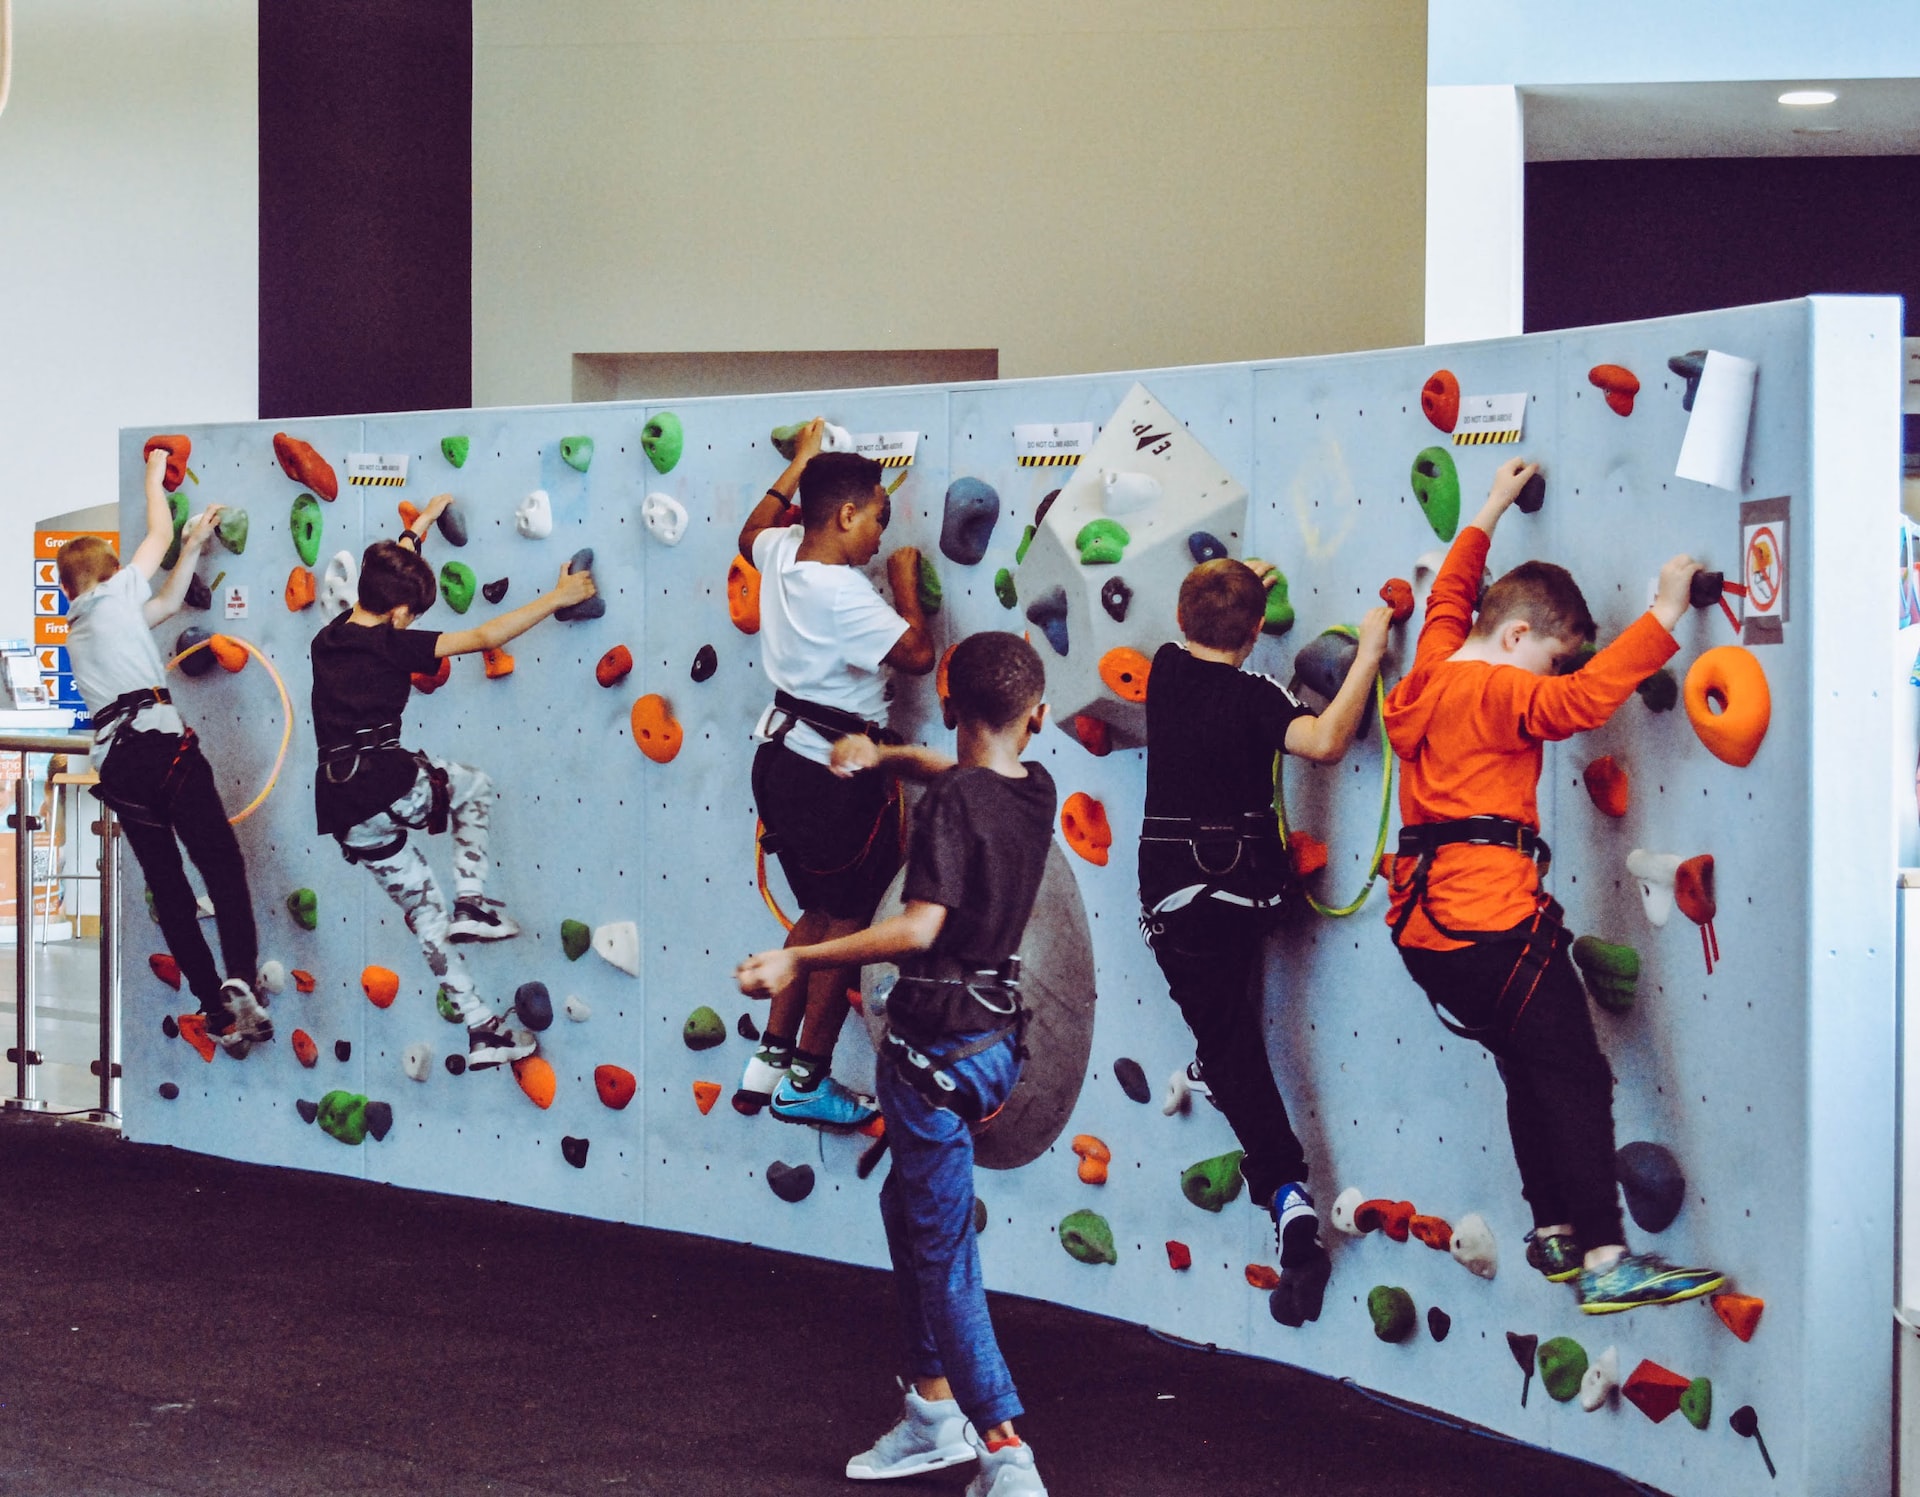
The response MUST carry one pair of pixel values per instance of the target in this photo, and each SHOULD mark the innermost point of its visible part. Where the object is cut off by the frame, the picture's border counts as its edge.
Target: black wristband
(776, 494)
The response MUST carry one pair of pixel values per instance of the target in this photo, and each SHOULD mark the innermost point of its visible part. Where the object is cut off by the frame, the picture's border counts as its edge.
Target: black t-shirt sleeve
(937, 860)
(413, 650)
(1272, 707)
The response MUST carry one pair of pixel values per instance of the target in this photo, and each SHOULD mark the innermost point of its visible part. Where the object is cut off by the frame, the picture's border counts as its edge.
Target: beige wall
(1083, 184)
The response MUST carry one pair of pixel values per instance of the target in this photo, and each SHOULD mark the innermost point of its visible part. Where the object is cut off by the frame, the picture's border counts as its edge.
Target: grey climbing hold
(1653, 1184)
(1115, 595)
(1132, 1079)
(792, 1184)
(453, 526)
(534, 1005)
(705, 663)
(1322, 664)
(308, 1110)
(574, 1150)
(1049, 614)
(966, 528)
(576, 452)
(1204, 547)
(594, 607)
(1689, 366)
(495, 590)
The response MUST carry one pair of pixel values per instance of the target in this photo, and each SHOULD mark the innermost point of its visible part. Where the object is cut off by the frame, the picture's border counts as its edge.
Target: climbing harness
(1218, 848)
(286, 721)
(953, 999)
(831, 723)
(341, 761)
(143, 813)
(1336, 912)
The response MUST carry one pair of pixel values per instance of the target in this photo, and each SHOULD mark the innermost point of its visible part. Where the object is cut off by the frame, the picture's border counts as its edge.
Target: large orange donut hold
(1728, 703)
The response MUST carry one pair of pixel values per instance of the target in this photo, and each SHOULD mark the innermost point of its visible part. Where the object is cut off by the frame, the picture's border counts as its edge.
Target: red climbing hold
(743, 595)
(1395, 1218)
(1436, 1232)
(1653, 1390)
(615, 1085)
(1619, 384)
(537, 1080)
(1440, 399)
(304, 1049)
(614, 666)
(381, 986)
(305, 466)
(1094, 734)
(1607, 785)
(1739, 1313)
(1397, 594)
(299, 593)
(1309, 854)
(193, 1029)
(441, 675)
(499, 663)
(1083, 820)
(705, 1094)
(303, 979)
(1179, 1256)
(1262, 1277)
(166, 969)
(1125, 671)
(178, 449)
(231, 654)
(655, 728)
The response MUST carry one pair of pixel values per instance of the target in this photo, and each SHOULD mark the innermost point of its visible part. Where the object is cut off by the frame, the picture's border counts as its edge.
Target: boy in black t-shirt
(1213, 874)
(980, 842)
(370, 793)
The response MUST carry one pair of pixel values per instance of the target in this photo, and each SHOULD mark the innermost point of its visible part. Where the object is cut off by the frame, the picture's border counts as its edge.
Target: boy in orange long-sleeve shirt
(1474, 926)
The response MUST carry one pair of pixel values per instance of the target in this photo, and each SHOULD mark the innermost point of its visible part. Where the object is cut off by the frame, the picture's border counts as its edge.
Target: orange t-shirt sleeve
(1451, 600)
(1550, 708)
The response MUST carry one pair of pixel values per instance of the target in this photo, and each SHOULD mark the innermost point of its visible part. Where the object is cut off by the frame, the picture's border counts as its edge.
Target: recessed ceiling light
(1808, 96)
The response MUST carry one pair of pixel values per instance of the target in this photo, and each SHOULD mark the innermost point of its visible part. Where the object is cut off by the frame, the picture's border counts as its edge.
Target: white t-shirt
(112, 652)
(823, 632)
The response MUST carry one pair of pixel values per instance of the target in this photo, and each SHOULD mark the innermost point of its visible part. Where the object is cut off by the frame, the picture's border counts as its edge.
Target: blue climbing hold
(1049, 614)
(973, 509)
(1205, 547)
(534, 1005)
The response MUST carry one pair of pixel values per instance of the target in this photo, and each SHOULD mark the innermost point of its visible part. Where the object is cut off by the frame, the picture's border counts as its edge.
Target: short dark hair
(1545, 596)
(832, 479)
(1221, 604)
(394, 576)
(994, 679)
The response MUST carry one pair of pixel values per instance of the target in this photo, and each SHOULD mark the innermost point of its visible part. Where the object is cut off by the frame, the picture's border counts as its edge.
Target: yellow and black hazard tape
(1484, 438)
(896, 460)
(375, 481)
(1048, 459)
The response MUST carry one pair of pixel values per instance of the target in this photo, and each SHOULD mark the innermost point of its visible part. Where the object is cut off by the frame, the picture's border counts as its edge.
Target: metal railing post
(109, 1063)
(23, 1055)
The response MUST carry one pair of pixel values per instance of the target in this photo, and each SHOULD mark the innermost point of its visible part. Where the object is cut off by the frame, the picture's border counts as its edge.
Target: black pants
(1559, 1086)
(1211, 954)
(838, 841)
(152, 811)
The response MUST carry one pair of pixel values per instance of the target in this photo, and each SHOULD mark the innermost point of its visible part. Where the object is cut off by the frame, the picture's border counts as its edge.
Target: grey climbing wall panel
(1771, 1079)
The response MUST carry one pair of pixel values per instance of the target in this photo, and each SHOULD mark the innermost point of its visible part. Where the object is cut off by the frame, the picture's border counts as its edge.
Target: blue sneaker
(1643, 1279)
(829, 1105)
(1556, 1256)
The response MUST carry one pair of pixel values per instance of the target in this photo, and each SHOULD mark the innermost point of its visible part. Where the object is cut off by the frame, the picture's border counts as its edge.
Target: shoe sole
(1713, 1286)
(751, 1104)
(492, 1060)
(933, 1460)
(823, 1126)
(1565, 1277)
(466, 935)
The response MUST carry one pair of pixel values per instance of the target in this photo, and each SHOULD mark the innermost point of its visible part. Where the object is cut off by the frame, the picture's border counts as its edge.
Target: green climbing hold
(576, 452)
(1087, 1237)
(576, 939)
(1611, 972)
(1563, 1362)
(343, 1115)
(1211, 1183)
(1004, 590)
(454, 450)
(932, 595)
(177, 506)
(1101, 542)
(304, 906)
(1659, 691)
(1026, 540)
(457, 585)
(1697, 1403)
(232, 530)
(1392, 1311)
(1436, 484)
(1279, 616)
(306, 526)
(443, 1000)
(704, 1029)
(661, 439)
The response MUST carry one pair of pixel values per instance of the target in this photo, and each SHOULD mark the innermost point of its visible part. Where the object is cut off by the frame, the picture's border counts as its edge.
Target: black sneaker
(1557, 1256)
(492, 1043)
(477, 918)
(239, 1020)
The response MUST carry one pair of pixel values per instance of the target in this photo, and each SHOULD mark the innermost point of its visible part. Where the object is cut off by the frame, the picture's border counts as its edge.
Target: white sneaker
(247, 1019)
(1006, 1472)
(756, 1084)
(477, 918)
(928, 1436)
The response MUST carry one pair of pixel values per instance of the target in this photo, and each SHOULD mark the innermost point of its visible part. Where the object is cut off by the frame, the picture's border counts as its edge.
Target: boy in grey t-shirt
(152, 772)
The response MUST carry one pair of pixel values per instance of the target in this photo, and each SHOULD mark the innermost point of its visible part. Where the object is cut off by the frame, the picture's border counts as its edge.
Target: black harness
(1219, 848)
(831, 723)
(1540, 940)
(925, 1010)
(120, 710)
(130, 702)
(341, 760)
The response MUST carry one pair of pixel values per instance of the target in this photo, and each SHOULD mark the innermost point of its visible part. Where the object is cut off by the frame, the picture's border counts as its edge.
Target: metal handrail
(46, 743)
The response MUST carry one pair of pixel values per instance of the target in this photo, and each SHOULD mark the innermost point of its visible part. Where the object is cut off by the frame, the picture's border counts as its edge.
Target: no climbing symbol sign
(1764, 571)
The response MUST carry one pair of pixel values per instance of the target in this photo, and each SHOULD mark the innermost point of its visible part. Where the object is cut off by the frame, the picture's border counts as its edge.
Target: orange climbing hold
(1693, 889)
(1436, 1232)
(303, 980)
(380, 985)
(1653, 1390)
(1619, 384)
(1440, 399)
(1124, 671)
(409, 512)
(193, 1029)
(166, 969)
(655, 728)
(499, 663)
(1728, 703)
(537, 1080)
(705, 1094)
(441, 675)
(1309, 854)
(1607, 785)
(178, 449)
(1395, 1218)
(305, 466)
(304, 1049)
(743, 595)
(299, 593)
(615, 1085)
(1083, 820)
(614, 666)
(940, 672)
(231, 654)
(1262, 1277)
(1739, 1313)
(1094, 1158)
(1397, 594)
(1094, 734)
(1179, 1256)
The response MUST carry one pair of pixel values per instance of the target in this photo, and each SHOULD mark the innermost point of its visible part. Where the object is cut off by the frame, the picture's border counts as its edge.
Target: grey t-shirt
(112, 652)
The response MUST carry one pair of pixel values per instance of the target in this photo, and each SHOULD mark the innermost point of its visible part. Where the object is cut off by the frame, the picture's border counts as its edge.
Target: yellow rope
(286, 720)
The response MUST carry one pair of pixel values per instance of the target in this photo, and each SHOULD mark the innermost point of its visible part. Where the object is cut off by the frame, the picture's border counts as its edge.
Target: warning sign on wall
(1764, 571)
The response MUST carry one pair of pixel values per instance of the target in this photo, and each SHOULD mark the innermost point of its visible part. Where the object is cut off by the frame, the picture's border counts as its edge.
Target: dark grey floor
(176, 1324)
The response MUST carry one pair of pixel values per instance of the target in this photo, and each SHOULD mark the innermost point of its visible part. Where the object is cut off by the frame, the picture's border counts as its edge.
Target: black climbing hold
(456, 1065)
(789, 1183)
(1204, 547)
(979, 1216)
(594, 607)
(1533, 494)
(705, 663)
(199, 595)
(1114, 597)
(973, 509)
(746, 1028)
(169, 1090)
(1040, 514)
(200, 661)
(169, 1028)
(1689, 366)
(1438, 1323)
(1705, 589)
(1660, 691)
(1523, 1348)
(343, 1049)
(534, 1005)
(1132, 1079)
(574, 1150)
(495, 590)
(1050, 614)
(1652, 1182)
(308, 1110)
(379, 1117)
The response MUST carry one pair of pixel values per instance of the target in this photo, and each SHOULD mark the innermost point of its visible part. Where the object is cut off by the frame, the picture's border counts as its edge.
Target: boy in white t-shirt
(152, 772)
(825, 633)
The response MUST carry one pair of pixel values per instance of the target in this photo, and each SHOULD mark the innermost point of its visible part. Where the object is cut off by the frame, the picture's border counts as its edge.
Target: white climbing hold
(534, 517)
(576, 1009)
(619, 943)
(1655, 871)
(1179, 1093)
(1426, 566)
(417, 1061)
(665, 518)
(1128, 492)
(272, 978)
(1600, 1379)
(835, 438)
(1473, 1246)
(203, 907)
(340, 583)
(1341, 1215)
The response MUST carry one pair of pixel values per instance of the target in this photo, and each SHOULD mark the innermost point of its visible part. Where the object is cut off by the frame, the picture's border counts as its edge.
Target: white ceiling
(1605, 122)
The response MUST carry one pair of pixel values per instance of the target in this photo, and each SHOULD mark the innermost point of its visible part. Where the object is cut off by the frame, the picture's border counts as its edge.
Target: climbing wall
(1770, 1081)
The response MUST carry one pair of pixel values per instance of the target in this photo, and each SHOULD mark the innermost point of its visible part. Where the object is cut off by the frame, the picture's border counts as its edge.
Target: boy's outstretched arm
(915, 928)
(573, 587)
(164, 604)
(913, 651)
(1326, 738)
(152, 549)
(1508, 480)
(856, 754)
(1557, 707)
(785, 488)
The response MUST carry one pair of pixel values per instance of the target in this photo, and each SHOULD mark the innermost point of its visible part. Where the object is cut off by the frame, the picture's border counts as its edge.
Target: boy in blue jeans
(953, 1050)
